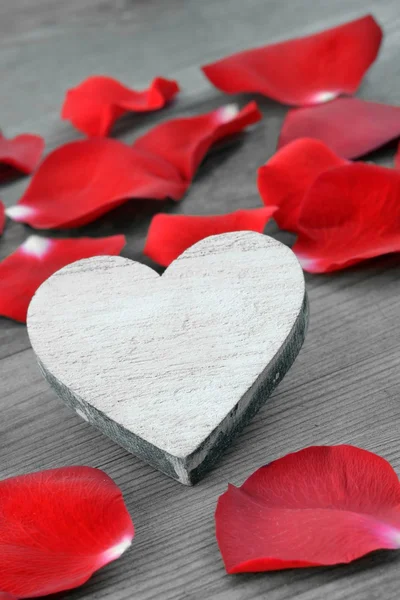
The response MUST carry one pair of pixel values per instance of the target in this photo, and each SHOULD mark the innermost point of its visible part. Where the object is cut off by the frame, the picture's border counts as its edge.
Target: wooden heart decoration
(172, 367)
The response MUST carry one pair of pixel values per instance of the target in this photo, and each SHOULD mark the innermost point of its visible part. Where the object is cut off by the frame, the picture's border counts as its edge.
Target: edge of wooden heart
(191, 469)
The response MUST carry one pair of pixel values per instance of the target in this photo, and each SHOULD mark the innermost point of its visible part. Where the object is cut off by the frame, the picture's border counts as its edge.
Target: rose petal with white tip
(36, 259)
(57, 528)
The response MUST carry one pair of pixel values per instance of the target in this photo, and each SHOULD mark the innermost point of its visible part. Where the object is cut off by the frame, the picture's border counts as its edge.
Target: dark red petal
(82, 180)
(306, 70)
(5, 596)
(185, 142)
(284, 180)
(96, 103)
(36, 259)
(170, 235)
(349, 214)
(319, 506)
(57, 528)
(2, 217)
(349, 126)
(22, 152)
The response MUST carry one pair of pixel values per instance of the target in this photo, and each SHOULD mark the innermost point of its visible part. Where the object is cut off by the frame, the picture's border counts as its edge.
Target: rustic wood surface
(173, 367)
(344, 386)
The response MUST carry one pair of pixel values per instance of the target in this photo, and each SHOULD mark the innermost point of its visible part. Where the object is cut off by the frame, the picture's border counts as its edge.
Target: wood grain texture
(173, 367)
(344, 386)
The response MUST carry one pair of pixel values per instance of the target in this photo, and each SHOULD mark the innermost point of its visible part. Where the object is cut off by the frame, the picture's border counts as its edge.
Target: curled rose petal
(351, 127)
(185, 142)
(57, 528)
(2, 217)
(349, 214)
(80, 181)
(306, 70)
(284, 180)
(323, 505)
(96, 103)
(22, 153)
(36, 259)
(170, 235)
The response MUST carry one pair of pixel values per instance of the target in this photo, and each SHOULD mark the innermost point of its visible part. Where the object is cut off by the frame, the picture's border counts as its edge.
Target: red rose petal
(36, 259)
(82, 180)
(22, 152)
(306, 70)
(284, 180)
(96, 103)
(58, 527)
(349, 214)
(319, 506)
(170, 235)
(185, 142)
(2, 217)
(5, 596)
(349, 126)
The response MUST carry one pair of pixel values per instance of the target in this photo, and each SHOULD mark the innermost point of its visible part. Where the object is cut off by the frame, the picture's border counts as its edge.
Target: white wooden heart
(172, 367)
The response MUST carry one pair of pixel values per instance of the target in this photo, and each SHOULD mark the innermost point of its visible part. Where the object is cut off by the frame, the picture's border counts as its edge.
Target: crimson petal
(82, 180)
(349, 126)
(319, 506)
(96, 103)
(5, 596)
(349, 214)
(22, 152)
(306, 70)
(284, 180)
(2, 217)
(36, 259)
(170, 235)
(58, 527)
(185, 142)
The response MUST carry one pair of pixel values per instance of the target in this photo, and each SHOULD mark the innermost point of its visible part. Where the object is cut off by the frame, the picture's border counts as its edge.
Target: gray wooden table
(345, 384)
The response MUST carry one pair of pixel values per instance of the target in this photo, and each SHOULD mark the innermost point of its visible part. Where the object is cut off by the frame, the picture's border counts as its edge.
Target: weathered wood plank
(345, 384)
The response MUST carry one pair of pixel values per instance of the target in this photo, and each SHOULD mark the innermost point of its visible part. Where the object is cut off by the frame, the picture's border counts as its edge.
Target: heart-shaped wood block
(172, 367)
